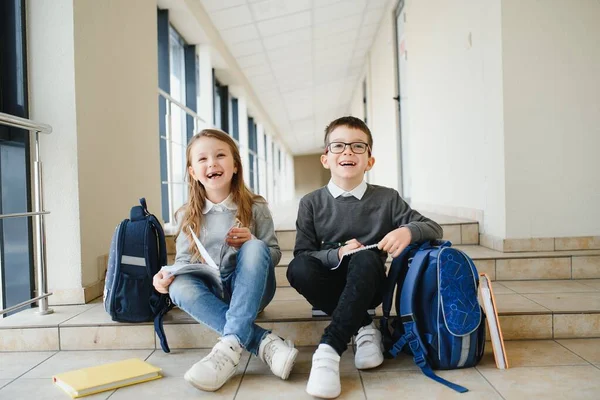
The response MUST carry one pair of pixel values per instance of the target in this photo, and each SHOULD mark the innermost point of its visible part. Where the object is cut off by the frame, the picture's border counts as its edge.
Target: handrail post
(40, 239)
(168, 135)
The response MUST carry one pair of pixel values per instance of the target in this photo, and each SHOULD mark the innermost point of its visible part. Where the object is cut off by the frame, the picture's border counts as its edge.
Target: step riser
(303, 333)
(458, 234)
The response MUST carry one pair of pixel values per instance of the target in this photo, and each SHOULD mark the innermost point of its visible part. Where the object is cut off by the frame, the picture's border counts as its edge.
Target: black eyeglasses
(339, 147)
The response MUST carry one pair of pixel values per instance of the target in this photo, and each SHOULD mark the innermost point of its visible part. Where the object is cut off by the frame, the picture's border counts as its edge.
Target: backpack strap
(411, 335)
(164, 302)
(392, 280)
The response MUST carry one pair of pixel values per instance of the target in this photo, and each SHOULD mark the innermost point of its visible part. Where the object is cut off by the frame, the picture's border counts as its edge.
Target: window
(220, 105)
(235, 123)
(16, 240)
(253, 155)
(178, 79)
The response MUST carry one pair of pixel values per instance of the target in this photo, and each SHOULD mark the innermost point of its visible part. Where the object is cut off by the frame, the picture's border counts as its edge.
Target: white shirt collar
(227, 203)
(357, 192)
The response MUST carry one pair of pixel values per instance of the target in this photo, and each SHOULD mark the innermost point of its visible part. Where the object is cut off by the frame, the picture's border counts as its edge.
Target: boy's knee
(298, 270)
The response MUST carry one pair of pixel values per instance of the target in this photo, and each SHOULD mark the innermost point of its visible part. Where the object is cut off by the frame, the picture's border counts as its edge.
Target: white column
(243, 127)
(270, 170)
(289, 178)
(205, 106)
(262, 165)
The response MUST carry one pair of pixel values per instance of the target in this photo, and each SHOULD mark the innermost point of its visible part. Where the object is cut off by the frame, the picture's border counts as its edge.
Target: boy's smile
(348, 167)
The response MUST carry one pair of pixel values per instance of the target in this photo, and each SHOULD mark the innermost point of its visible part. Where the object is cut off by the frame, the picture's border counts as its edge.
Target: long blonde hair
(191, 212)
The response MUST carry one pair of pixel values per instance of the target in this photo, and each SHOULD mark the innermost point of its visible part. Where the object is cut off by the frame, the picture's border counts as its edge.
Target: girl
(236, 229)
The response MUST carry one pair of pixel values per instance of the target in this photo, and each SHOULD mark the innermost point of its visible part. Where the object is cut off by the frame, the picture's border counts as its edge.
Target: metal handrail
(18, 122)
(37, 214)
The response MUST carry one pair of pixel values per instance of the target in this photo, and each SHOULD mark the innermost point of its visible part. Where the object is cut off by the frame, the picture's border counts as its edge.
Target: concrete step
(575, 264)
(538, 309)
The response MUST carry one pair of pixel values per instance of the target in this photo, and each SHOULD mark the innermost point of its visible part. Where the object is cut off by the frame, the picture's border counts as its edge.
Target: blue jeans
(248, 290)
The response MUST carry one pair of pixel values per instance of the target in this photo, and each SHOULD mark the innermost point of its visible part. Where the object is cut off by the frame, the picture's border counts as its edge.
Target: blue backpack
(137, 252)
(440, 322)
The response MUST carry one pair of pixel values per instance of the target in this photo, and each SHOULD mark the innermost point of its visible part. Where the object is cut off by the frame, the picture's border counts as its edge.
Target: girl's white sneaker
(278, 354)
(210, 373)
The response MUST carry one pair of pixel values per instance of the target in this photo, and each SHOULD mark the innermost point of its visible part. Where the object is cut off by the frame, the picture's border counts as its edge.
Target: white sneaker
(369, 347)
(324, 379)
(210, 373)
(278, 354)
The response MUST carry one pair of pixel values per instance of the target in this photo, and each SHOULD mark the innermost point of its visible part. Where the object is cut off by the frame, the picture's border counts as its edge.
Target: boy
(345, 215)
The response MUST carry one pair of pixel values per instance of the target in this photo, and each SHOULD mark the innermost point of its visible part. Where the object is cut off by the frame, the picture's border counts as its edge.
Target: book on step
(491, 313)
(86, 381)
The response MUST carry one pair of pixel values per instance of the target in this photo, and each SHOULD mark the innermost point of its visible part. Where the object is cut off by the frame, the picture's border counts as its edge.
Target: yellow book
(86, 381)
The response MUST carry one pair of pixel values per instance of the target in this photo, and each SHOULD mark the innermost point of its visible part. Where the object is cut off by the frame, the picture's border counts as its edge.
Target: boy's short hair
(350, 122)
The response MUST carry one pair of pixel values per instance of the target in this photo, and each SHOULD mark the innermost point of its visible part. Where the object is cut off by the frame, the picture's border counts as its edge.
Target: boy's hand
(161, 282)
(236, 237)
(350, 245)
(395, 241)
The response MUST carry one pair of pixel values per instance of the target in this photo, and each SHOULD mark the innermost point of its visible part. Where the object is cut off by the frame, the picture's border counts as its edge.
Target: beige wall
(93, 77)
(382, 118)
(309, 174)
(453, 112)
(552, 117)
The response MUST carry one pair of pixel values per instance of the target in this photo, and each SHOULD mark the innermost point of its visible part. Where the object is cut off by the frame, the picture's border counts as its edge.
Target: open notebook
(86, 381)
(491, 313)
(348, 254)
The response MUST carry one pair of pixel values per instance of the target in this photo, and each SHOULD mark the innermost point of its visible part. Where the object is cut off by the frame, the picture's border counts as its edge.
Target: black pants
(345, 293)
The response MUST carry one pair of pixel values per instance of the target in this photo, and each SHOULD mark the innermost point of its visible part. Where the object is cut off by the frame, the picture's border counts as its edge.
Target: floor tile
(64, 361)
(533, 268)
(94, 315)
(175, 388)
(576, 326)
(4, 382)
(29, 339)
(516, 327)
(303, 363)
(189, 336)
(107, 337)
(177, 362)
(29, 318)
(415, 385)
(589, 349)
(517, 304)
(532, 353)
(260, 387)
(40, 389)
(594, 283)
(16, 364)
(557, 286)
(499, 288)
(287, 294)
(568, 302)
(566, 382)
(586, 267)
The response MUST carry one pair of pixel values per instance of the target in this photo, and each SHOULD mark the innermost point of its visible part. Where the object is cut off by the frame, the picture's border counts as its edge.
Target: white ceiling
(303, 58)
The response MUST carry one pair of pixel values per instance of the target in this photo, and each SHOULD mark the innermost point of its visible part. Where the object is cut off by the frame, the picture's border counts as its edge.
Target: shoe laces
(272, 347)
(218, 358)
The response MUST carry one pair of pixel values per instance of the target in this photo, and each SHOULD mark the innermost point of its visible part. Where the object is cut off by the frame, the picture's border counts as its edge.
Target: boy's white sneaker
(324, 379)
(278, 354)
(369, 347)
(210, 373)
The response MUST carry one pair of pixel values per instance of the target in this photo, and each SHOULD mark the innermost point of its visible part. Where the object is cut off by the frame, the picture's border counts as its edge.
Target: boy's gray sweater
(323, 218)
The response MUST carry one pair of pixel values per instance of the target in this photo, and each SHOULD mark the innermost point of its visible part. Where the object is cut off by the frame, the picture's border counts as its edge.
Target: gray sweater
(323, 218)
(214, 230)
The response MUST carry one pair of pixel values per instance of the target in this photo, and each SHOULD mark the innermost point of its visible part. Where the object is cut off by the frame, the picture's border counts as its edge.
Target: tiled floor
(545, 369)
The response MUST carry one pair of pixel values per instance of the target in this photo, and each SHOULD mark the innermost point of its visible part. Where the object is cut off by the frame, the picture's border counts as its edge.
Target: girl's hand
(350, 245)
(236, 237)
(395, 241)
(161, 282)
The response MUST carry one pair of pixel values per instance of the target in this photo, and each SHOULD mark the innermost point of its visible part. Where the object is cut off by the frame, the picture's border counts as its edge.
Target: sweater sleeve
(182, 246)
(306, 237)
(421, 228)
(265, 230)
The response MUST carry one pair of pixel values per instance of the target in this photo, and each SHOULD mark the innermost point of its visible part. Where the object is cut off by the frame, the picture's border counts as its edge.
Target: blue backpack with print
(439, 320)
(137, 252)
